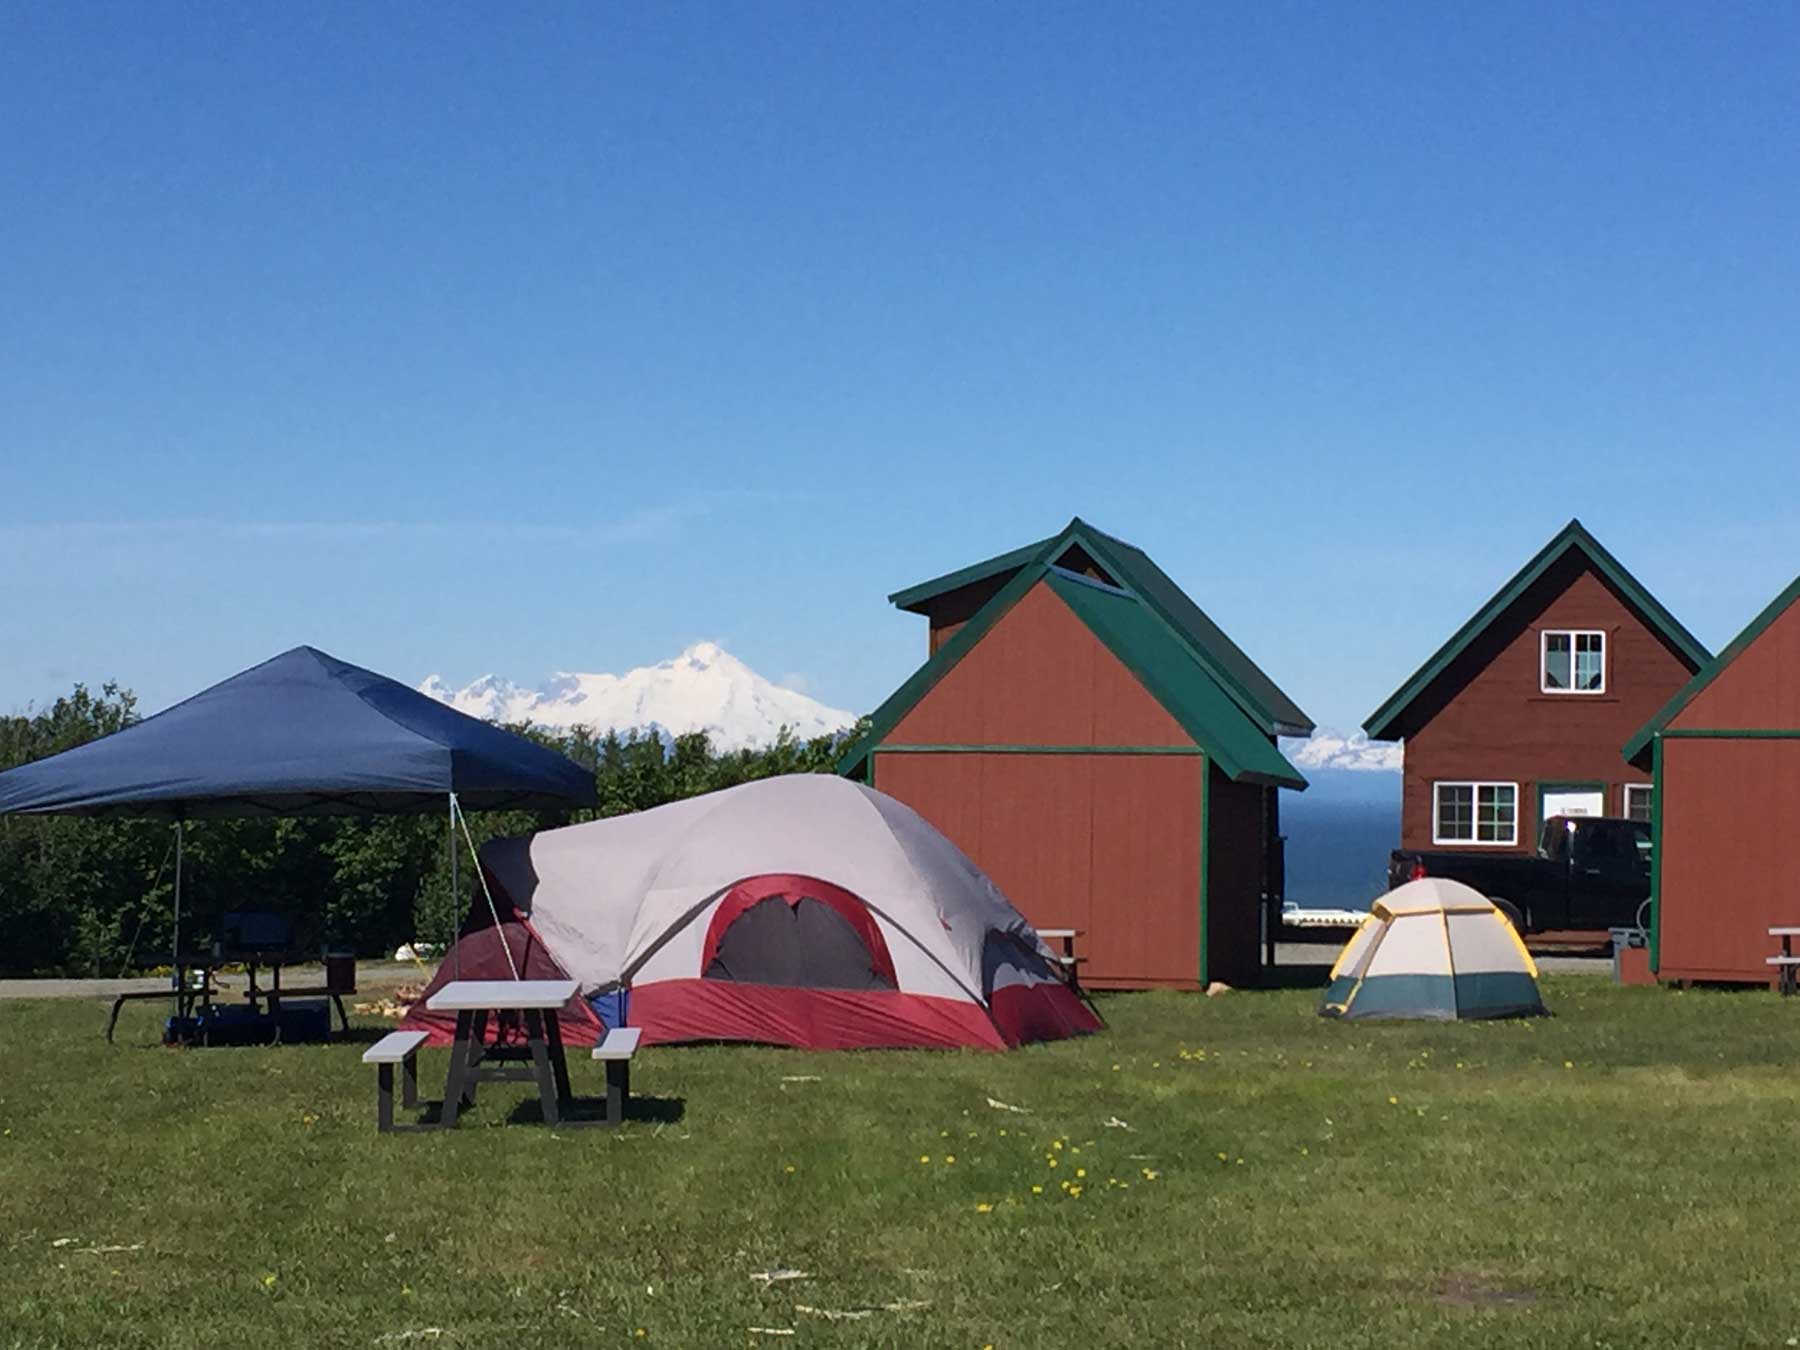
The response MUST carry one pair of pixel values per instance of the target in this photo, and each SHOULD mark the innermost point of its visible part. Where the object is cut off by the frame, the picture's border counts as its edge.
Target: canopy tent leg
(450, 844)
(175, 953)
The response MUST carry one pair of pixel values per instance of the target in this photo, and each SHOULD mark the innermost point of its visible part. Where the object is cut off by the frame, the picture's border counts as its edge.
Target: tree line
(94, 897)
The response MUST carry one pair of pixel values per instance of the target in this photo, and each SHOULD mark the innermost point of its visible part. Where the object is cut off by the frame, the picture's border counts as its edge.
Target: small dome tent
(1433, 949)
(805, 910)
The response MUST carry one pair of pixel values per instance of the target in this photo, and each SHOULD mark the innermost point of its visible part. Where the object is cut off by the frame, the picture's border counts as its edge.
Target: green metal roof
(1133, 569)
(1152, 651)
(1148, 646)
(1638, 748)
(1381, 723)
(916, 598)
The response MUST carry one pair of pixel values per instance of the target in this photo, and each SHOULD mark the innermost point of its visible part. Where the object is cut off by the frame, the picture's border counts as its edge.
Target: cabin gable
(1039, 676)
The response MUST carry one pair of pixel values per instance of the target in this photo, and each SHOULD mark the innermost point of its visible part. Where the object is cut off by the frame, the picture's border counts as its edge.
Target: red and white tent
(805, 910)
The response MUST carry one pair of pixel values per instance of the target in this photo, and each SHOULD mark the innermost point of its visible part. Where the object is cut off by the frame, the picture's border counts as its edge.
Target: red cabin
(1520, 715)
(1102, 750)
(1724, 755)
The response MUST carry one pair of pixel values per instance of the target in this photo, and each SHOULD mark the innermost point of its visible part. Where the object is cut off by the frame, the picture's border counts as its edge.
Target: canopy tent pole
(450, 844)
(481, 876)
(175, 954)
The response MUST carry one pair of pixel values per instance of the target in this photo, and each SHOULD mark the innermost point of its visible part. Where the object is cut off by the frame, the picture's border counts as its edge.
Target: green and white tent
(1433, 949)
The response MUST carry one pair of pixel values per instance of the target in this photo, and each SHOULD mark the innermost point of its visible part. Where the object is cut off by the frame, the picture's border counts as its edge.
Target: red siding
(1730, 857)
(1039, 677)
(1105, 843)
(1730, 869)
(1759, 690)
(1486, 719)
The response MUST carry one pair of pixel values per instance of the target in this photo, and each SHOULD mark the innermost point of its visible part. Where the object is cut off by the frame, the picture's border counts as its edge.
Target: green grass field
(1618, 1175)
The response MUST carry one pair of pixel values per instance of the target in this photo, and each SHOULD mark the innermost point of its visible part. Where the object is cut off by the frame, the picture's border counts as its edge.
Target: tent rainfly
(1437, 950)
(803, 910)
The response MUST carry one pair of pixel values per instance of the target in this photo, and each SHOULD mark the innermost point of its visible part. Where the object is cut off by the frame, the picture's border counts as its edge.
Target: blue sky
(470, 338)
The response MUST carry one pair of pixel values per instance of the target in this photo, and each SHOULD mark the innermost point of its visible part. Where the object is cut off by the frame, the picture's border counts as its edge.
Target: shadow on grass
(588, 1110)
(1307, 976)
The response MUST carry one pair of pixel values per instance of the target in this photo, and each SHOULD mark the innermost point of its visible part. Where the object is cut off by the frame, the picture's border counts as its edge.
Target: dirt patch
(1480, 1291)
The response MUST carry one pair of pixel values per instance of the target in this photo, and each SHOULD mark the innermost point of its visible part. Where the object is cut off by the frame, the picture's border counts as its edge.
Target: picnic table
(473, 1061)
(1068, 960)
(1787, 962)
(193, 987)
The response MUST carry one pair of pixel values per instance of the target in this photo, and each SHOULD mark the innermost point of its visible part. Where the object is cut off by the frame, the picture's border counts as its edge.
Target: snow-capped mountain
(706, 688)
(1326, 749)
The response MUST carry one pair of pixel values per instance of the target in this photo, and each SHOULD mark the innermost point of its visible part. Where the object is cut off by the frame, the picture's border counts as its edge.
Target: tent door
(798, 944)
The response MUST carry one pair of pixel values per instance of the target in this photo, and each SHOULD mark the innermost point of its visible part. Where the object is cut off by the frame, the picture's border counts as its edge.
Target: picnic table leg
(540, 1063)
(618, 1088)
(559, 1060)
(459, 1055)
(1787, 972)
(384, 1097)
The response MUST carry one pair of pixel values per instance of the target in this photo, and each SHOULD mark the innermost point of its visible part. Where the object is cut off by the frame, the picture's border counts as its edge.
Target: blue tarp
(303, 734)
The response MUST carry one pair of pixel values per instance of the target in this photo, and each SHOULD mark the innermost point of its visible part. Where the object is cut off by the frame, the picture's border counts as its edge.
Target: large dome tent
(804, 910)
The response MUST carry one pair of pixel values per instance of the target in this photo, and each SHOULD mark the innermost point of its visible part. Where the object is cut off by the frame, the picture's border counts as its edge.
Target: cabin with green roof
(1101, 749)
(1520, 715)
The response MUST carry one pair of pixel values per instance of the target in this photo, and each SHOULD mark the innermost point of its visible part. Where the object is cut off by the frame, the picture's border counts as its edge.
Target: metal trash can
(340, 971)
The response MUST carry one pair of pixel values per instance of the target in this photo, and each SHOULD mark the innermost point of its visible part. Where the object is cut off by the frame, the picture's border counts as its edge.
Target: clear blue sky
(470, 338)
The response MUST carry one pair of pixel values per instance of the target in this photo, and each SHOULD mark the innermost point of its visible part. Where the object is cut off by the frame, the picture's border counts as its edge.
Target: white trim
(1625, 798)
(1544, 636)
(1475, 809)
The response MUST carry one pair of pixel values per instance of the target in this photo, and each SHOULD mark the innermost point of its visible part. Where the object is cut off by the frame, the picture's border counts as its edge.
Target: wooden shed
(1725, 758)
(1102, 750)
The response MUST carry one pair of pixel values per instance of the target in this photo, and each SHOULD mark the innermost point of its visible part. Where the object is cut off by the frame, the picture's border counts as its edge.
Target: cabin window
(1474, 813)
(1637, 801)
(1573, 662)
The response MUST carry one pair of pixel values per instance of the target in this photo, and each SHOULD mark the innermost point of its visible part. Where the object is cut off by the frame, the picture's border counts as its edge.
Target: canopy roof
(1132, 570)
(303, 734)
(1390, 722)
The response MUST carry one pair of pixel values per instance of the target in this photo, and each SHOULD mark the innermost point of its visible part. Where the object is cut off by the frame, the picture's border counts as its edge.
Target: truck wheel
(1511, 911)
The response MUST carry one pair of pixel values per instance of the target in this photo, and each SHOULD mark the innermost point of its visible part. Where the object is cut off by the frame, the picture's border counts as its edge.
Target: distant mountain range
(1328, 749)
(706, 688)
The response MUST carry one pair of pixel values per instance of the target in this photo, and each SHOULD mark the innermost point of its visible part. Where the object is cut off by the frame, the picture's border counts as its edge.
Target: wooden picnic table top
(1784, 932)
(495, 995)
(1061, 932)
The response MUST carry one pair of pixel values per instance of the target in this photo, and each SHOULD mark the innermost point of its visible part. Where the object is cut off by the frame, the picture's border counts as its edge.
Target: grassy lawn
(1618, 1175)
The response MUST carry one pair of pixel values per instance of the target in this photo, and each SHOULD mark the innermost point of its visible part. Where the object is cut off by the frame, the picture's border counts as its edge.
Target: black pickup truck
(1588, 872)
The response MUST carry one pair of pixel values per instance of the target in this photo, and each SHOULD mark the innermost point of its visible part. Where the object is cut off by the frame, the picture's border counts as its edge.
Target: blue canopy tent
(303, 734)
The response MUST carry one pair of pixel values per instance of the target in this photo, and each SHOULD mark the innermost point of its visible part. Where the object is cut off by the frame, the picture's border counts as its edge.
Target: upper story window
(1573, 662)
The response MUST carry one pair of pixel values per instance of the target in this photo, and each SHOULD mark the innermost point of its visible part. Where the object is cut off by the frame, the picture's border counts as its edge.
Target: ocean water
(1339, 834)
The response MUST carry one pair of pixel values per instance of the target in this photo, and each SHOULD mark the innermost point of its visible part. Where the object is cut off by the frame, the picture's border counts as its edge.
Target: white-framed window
(1572, 661)
(1475, 813)
(1637, 801)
